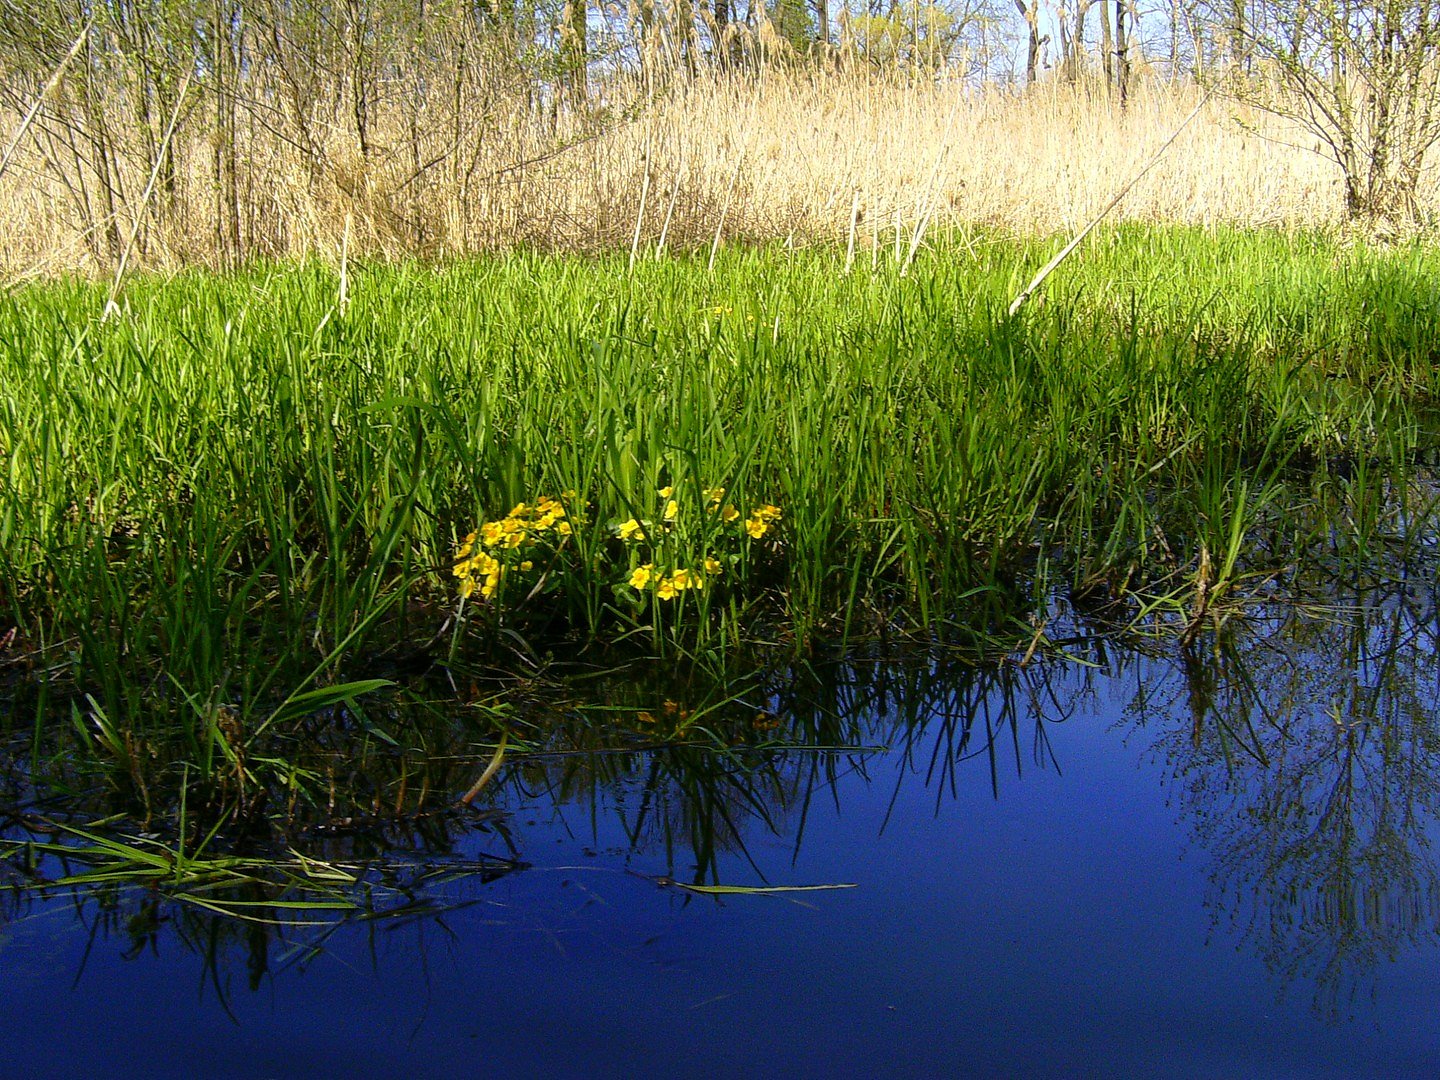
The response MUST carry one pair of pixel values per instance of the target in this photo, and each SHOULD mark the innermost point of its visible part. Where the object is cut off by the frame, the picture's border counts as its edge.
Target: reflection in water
(1310, 771)
(1301, 752)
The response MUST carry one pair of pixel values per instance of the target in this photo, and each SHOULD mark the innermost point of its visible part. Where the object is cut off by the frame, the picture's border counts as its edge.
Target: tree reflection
(1310, 770)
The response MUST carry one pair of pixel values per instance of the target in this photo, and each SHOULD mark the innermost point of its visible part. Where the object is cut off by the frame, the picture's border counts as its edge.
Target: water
(1138, 862)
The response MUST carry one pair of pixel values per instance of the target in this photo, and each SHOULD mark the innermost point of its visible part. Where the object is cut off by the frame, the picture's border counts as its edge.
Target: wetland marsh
(469, 644)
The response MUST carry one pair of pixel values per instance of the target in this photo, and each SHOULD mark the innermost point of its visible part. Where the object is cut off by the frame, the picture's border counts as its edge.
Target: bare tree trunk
(1107, 44)
(574, 49)
(357, 17)
(1031, 14)
(1122, 54)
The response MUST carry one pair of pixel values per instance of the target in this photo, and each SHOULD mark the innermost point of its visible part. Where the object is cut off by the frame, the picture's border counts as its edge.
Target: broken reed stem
(854, 224)
(932, 197)
(1049, 267)
(669, 213)
(111, 308)
(725, 208)
(735, 176)
(40, 99)
(640, 214)
(343, 300)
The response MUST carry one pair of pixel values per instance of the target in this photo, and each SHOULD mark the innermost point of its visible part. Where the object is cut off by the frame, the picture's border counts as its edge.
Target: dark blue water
(1220, 864)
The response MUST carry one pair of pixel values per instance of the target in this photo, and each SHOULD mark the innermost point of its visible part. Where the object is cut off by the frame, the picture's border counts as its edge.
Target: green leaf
(298, 705)
(749, 890)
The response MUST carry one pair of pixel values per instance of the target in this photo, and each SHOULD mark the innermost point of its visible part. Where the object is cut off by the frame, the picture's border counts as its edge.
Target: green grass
(235, 495)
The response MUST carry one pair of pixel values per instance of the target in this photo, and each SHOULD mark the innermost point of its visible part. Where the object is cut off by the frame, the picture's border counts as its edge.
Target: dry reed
(789, 155)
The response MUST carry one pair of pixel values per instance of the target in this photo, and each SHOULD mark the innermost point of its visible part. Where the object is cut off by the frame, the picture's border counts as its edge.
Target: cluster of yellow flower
(482, 569)
(669, 585)
(761, 519)
(757, 524)
(477, 569)
(506, 545)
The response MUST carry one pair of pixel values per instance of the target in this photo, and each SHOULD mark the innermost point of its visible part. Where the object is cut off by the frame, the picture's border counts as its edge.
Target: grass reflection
(1303, 752)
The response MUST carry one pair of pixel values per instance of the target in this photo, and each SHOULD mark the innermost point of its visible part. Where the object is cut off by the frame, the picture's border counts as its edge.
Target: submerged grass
(238, 505)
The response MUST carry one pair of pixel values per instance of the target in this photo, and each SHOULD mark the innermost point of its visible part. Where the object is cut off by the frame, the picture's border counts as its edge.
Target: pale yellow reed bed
(788, 156)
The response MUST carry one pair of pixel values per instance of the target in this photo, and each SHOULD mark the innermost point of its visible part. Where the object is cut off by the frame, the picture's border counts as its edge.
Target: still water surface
(1209, 863)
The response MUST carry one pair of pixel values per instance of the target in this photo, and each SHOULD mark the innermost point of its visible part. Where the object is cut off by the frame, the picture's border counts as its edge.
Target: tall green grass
(236, 493)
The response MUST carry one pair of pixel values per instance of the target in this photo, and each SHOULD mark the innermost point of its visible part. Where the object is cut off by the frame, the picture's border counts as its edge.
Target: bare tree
(1363, 78)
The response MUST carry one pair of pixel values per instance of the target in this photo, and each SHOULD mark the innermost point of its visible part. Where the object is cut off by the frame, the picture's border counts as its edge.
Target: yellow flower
(515, 539)
(766, 512)
(568, 494)
(686, 579)
(667, 491)
(713, 496)
(466, 546)
(729, 514)
(672, 510)
(563, 528)
(520, 508)
(527, 565)
(755, 527)
(712, 566)
(492, 531)
(631, 530)
(467, 586)
(642, 575)
(666, 589)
